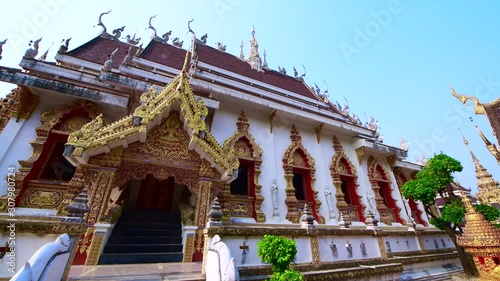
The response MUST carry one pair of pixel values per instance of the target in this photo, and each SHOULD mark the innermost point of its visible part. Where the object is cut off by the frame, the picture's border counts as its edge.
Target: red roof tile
(493, 114)
(164, 54)
(229, 62)
(98, 50)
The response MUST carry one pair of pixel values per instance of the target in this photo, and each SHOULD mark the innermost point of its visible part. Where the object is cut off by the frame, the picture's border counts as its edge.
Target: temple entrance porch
(150, 226)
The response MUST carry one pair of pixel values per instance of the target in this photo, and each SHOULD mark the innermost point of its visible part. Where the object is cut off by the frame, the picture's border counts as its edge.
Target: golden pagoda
(482, 240)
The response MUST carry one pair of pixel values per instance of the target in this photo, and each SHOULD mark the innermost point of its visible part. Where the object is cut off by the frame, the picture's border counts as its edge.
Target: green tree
(434, 179)
(279, 252)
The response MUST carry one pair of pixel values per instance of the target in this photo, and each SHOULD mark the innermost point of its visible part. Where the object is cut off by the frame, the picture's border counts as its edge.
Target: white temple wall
(327, 253)
(224, 123)
(259, 128)
(16, 137)
(323, 168)
(281, 137)
(401, 244)
(439, 241)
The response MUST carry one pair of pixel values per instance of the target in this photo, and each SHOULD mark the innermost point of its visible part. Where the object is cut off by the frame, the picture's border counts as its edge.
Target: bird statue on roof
(1, 45)
(33, 51)
(326, 91)
(220, 46)
(64, 46)
(132, 40)
(118, 32)
(129, 57)
(403, 144)
(177, 43)
(317, 90)
(204, 38)
(166, 36)
(296, 74)
(282, 70)
(108, 65)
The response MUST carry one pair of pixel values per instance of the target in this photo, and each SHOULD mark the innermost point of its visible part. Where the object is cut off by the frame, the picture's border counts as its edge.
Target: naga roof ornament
(1, 45)
(478, 107)
(101, 24)
(164, 38)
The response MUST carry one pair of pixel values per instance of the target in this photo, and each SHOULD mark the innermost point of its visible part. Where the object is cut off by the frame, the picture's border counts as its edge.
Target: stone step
(147, 225)
(138, 272)
(146, 232)
(151, 215)
(145, 240)
(142, 248)
(127, 258)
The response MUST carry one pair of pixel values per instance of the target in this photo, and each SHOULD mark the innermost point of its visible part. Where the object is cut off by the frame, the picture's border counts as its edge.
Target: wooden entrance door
(156, 194)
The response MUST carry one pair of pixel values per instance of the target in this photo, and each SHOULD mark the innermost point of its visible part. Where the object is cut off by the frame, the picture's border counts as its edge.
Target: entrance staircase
(152, 236)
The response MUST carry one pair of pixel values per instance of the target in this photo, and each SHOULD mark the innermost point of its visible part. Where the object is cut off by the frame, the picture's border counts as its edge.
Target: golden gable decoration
(95, 138)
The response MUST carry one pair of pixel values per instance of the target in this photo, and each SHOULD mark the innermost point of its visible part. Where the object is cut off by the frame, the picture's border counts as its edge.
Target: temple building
(151, 135)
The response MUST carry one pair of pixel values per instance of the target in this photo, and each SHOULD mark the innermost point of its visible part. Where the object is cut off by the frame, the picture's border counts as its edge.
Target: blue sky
(391, 59)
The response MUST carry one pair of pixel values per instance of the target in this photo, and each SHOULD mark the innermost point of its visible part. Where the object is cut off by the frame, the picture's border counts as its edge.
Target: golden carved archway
(164, 154)
(250, 153)
(297, 157)
(344, 174)
(387, 206)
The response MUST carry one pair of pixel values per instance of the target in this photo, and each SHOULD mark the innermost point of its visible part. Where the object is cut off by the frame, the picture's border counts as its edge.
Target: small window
(345, 189)
(239, 186)
(57, 167)
(299, 185)
(385, 194)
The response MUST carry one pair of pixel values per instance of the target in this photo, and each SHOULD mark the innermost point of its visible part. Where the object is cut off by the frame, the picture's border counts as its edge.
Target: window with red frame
(299, 183)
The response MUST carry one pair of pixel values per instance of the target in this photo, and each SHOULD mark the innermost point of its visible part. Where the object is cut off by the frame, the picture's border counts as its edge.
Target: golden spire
(484, 179)
(490, 146)
(254, 58)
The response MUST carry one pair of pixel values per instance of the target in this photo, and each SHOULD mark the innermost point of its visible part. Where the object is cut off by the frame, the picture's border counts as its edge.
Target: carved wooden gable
(167, 144)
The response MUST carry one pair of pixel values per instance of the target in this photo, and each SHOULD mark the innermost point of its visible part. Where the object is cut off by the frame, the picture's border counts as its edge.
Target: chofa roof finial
(99, 23)
(189, 28)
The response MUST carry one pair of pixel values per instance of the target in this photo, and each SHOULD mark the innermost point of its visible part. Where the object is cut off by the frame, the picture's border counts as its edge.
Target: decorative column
(202, 204)
(95, 236)
(99, 196)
